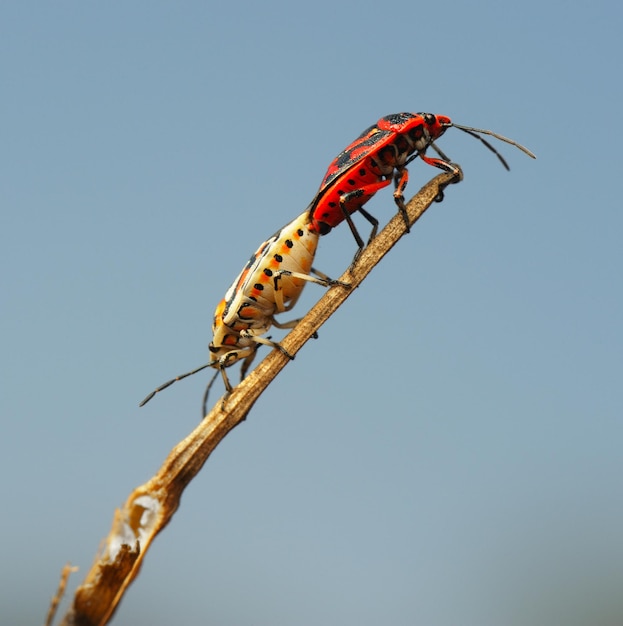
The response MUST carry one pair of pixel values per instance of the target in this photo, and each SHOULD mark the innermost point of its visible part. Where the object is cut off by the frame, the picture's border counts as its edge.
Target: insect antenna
(206, 392)
(474, 133)
(174, 380)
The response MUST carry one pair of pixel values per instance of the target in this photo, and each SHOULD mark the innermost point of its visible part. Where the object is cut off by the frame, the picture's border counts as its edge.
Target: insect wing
(375, 140)
(372, 141)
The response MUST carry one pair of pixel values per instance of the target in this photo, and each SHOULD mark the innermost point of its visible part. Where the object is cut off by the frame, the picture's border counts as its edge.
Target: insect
(381, 153)
(270, 283)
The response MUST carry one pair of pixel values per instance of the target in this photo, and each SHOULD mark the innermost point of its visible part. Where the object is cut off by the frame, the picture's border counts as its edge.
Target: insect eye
(429, 118)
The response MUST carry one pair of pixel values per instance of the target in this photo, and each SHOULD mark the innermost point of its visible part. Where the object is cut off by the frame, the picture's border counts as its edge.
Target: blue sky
(449, 450)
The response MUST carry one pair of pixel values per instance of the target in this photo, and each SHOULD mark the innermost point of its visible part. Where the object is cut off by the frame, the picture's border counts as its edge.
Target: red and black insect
(380, 154)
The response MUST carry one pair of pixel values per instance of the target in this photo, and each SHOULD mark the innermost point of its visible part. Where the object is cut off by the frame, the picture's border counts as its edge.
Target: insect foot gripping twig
(149, 508)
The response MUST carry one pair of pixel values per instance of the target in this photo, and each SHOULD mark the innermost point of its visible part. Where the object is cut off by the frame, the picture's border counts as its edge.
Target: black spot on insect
(278, 258)
(362, 172)
(300, 232)
(332, 205)
(289, 243)
(351, 182)
(398, 118)
(268, 272)
(259, 287)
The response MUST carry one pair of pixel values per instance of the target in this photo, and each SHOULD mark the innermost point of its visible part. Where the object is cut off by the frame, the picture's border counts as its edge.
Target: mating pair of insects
(274, 277)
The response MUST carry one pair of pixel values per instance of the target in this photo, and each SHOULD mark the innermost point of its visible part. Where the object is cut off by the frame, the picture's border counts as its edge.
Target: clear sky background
(449, 451)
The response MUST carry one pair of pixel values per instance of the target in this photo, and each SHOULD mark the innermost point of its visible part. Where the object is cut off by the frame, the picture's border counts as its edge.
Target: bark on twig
(150, 507)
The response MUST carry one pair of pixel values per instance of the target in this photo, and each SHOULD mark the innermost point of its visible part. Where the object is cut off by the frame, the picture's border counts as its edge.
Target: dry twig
(150, 507)
(66, 572)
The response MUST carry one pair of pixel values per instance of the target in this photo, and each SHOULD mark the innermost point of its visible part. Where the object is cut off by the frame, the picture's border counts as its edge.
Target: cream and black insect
(270, 283)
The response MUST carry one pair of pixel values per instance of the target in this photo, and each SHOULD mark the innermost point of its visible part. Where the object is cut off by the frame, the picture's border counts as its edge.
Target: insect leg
(451, 168)
(365, 193)
(265, 341)
(373, 221)
(401, 178)
(206, 392)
